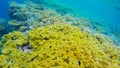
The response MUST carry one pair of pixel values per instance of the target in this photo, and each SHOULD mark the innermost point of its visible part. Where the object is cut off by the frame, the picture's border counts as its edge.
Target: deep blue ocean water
(4, 9)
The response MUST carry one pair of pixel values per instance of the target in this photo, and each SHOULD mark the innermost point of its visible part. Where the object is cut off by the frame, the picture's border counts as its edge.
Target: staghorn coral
(58, 46)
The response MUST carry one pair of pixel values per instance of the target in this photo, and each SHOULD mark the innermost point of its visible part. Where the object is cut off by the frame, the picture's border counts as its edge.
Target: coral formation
(2, 27)
(52, 39)
(48, 16)
(37, 15)
(14, 23)
(58, 46)
(22, 12)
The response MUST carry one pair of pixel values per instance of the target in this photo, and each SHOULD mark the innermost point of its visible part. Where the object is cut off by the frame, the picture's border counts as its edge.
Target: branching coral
(12, 40)
(58, 45)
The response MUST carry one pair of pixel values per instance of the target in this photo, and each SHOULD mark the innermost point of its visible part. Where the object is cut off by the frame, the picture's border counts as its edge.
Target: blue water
(4, 9)
(101, 9)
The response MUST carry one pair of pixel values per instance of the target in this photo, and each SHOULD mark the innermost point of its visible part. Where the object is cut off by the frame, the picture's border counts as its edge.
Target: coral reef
(58, 46)
(14, 23)
(48, 38)
(22, 12)
(24, 15)
(30, 15)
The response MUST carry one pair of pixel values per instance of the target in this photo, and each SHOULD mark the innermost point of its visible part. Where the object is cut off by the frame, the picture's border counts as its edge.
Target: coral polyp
(58, 46)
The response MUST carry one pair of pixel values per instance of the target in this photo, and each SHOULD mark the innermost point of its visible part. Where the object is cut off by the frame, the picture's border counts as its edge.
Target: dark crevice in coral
(46, 38)
(110, 56)
(61, 29)
(25, 48)
(50, 46)
(0, 49)
(33, 58)
(99, 39)
(14, 38)
(66, 60)
(79, 62)
(0, 52)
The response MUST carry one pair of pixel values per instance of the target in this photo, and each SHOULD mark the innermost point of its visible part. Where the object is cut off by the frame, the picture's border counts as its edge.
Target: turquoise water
(102, 9)
(107, 10)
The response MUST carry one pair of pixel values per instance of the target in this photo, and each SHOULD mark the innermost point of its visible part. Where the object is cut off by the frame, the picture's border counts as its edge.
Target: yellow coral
(12, 40)
(15, 37)
(60, 46)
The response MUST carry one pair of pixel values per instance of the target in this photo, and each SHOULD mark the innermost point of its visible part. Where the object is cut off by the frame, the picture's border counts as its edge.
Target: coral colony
(44, 38)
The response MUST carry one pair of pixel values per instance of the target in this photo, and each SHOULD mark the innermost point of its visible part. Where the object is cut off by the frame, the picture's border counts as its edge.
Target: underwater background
(106, 10)
(60, 33)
